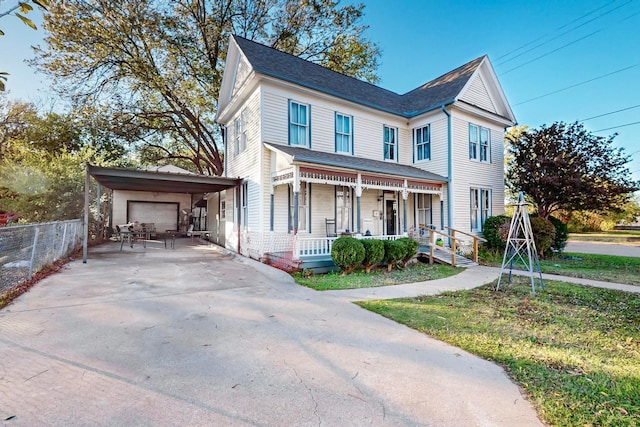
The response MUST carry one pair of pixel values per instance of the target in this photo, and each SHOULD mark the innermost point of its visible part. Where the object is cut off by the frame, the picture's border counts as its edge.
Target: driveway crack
(313, 398)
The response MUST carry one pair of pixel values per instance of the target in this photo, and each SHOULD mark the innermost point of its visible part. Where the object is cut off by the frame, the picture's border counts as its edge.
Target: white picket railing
(321, 246)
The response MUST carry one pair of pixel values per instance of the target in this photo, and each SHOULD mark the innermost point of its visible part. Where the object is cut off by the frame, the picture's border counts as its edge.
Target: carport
(150, 181)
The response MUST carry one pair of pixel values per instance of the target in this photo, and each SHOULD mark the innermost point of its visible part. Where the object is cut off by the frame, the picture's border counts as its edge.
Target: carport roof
(161, 182)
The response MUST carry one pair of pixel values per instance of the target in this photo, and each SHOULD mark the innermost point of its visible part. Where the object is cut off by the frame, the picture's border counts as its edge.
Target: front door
(390, 217)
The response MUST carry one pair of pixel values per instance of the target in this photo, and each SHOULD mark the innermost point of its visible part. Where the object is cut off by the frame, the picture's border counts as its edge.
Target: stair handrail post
(453, 247)
(432, 242)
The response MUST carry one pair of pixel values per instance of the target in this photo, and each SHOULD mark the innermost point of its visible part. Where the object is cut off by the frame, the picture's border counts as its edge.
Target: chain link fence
(25, 249)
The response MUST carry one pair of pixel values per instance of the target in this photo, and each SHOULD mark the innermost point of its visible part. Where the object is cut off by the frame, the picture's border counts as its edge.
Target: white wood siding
(469, 173)
(477, 94)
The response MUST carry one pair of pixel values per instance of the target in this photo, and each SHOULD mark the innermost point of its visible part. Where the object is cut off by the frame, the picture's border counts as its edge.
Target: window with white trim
(223, 209)
(343, 209)
(298, 124)
(390, 143)
(480, 199)
(344, 135)
(240, 133)
(479, 143)
(303, 207)
(422, 143)
(244, 210)
(423, 209)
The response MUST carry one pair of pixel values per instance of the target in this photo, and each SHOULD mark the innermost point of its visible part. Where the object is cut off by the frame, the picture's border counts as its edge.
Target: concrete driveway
(197, 336)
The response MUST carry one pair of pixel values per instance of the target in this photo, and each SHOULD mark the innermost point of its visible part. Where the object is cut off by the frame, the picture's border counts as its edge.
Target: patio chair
(330, 225)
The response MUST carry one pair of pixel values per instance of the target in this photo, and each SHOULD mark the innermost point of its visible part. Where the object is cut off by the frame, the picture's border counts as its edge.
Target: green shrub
(491, 231)
(373, 253)
(393, 252)
(562, 234)
(410, 249)
(346, 253)
(543, 234)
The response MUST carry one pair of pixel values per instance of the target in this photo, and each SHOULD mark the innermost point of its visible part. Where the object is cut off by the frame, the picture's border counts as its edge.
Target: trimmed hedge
(410, 249)
(543, 234)
(347, 252)
(373, 253)
(394, 251)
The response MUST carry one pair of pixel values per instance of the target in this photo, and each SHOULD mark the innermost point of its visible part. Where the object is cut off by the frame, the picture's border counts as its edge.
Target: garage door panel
(163, 215)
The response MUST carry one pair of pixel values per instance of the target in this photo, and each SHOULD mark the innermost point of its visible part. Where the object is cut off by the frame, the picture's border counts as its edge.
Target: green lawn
(608, 268)
(575, 351)
(415, 272)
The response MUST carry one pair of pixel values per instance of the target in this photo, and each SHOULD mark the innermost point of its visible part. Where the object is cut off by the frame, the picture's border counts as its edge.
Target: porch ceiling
(303, 155)
(160, 182)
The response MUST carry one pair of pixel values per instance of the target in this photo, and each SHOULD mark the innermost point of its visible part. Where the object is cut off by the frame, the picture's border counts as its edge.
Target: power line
(606, 114)
(553, 51)
(578, 84)
(566, 32)
(616, 127)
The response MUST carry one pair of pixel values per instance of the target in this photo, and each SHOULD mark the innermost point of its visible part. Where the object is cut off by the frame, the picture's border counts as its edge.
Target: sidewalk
(472, 277)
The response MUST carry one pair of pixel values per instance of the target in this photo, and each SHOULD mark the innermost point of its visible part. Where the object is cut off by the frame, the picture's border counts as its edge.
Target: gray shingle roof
(358, 163)
(437, 92)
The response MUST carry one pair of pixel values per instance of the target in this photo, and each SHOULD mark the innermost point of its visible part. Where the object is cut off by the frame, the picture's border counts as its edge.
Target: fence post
(64, 238)
(33, 251)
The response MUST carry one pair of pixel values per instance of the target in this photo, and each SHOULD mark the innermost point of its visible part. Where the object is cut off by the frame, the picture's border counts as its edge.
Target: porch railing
(321, 246)
(454, 242)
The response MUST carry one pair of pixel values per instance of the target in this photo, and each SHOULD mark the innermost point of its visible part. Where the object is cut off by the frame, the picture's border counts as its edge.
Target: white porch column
(271, 207)
(296, 194)
(405, 195)
(358, 196)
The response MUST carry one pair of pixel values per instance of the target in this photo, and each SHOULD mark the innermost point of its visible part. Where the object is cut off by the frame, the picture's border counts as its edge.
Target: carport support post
(86, 215)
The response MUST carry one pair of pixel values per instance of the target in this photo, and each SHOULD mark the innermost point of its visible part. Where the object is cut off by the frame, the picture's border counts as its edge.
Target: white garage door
(163, 215)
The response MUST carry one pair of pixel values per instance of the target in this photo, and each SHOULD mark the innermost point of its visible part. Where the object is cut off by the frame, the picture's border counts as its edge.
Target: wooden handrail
(454, 240)
(466, 234)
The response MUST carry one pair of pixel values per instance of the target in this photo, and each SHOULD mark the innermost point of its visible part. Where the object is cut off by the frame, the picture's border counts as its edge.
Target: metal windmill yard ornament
(521, 246)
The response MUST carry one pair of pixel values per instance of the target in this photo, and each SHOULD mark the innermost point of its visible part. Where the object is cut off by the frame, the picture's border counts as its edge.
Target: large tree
(157, 65)
(565, 167)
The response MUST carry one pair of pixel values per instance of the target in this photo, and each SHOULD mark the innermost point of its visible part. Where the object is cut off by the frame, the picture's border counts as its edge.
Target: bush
(410, 249)
(543, 234)
(346, 253)
(562, 234)
(394, 251)
(373, 253)
(491, 231)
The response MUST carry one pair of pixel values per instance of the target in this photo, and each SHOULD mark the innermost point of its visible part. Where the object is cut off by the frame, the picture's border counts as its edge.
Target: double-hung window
(343, 209)
(244, 209)
(479, 147)
(390, 143)
(303, 207)
(422, 143)
(299, 124)
(423, 207)
(480, 199)
(344, 133)
(240, 133)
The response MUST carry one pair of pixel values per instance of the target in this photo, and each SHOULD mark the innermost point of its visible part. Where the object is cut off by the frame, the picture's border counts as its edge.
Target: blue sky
(556, 60)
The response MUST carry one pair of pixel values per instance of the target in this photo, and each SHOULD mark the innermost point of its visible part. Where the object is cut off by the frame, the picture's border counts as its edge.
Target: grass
(608, 268)
(415, 272)
(614, 236)
(575, 351)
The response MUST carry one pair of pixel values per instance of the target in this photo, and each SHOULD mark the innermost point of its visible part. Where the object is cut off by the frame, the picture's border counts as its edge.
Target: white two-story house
(323, 154)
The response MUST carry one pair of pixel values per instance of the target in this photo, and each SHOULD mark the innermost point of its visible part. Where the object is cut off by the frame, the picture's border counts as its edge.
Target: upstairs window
(479, 148)
(422, 142)
(344, 135)
(298, 124)
(240, 133)
(390, 143)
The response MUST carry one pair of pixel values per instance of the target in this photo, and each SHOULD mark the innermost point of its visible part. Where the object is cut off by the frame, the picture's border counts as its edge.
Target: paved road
(604, 248)
(197, 336)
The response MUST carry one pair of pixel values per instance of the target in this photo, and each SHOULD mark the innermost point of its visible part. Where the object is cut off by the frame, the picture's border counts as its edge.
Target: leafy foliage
(563, 166)
(410, 249)
(394, 251)
(544, 234)
(561, 235)
(373, 253)
(491, 231)
(347, 252)
(156, 67)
